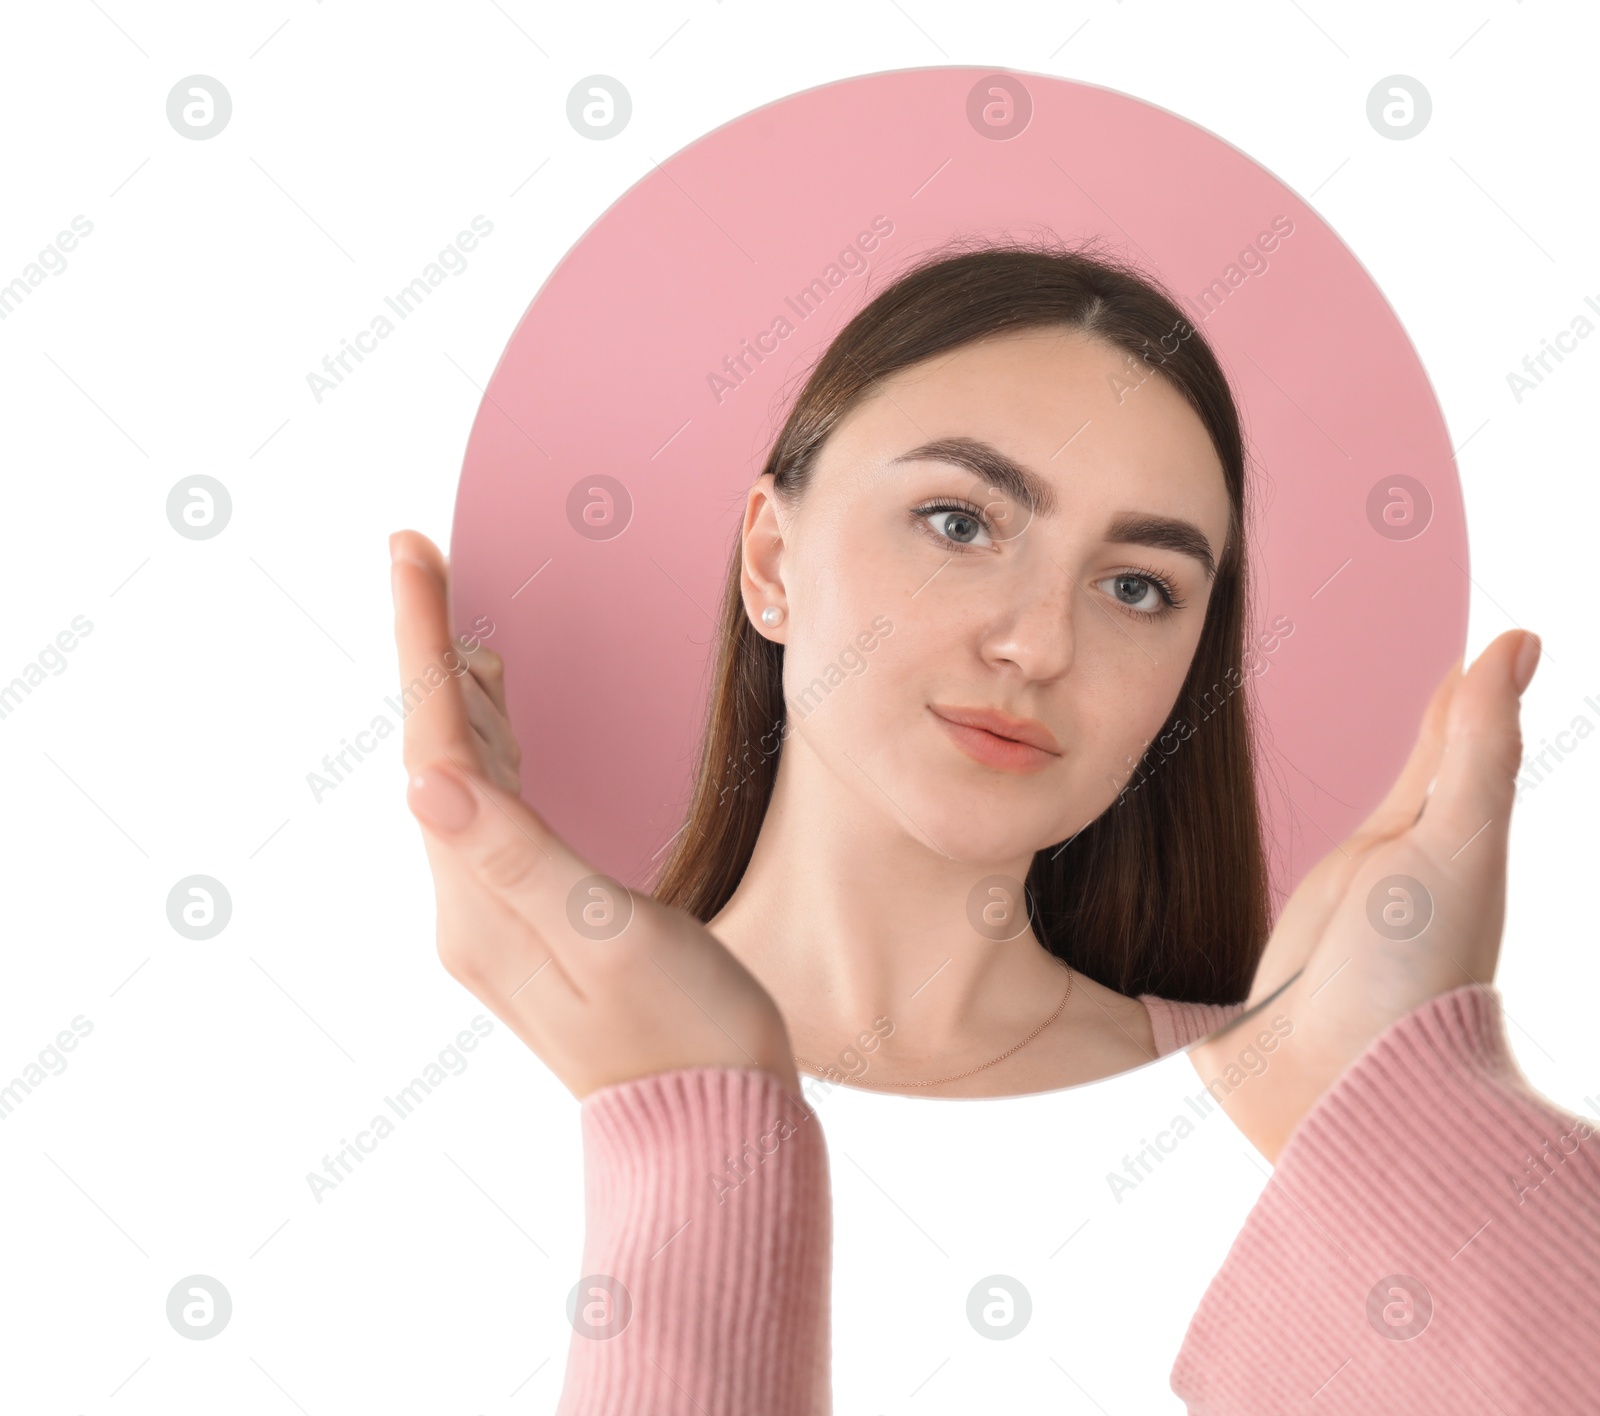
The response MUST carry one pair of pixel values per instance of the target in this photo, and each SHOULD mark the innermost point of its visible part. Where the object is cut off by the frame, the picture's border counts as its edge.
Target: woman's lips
(992, 750)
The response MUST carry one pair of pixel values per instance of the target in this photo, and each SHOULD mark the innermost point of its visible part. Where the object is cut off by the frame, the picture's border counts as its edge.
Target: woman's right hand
(603, 983)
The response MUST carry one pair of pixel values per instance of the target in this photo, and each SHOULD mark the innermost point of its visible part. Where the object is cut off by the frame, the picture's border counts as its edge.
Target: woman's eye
(1138, 593)
(954, 524)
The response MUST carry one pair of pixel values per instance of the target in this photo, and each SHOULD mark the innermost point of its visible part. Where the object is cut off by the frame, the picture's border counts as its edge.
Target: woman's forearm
(709, 1209)
(1429, 1242)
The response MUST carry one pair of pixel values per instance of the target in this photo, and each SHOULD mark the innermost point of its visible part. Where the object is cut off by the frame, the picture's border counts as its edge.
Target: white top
(985, 1259)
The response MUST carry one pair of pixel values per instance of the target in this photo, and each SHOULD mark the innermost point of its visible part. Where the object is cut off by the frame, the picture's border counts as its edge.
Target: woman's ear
(761, 559)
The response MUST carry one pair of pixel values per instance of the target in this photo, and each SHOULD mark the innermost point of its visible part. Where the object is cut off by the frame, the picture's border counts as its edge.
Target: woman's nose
(1039, 633)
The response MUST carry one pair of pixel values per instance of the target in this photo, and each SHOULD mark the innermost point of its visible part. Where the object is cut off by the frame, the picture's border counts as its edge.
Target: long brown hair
(1165, 892)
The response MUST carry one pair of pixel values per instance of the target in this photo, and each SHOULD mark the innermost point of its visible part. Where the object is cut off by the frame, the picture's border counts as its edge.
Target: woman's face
(996, 529)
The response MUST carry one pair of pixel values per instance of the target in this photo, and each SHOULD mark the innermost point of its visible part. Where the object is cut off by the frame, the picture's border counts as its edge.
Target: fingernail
(400, 551)
(440, 797)
(1527, 661)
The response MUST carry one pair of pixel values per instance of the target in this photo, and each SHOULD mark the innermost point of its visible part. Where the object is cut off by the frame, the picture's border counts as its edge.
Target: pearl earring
(772, 616)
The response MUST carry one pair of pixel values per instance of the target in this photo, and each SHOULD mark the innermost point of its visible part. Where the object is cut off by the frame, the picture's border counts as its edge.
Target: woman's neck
(863, 933)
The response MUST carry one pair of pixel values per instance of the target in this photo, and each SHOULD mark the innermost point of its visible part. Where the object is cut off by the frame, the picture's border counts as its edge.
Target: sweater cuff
(707, 1251)
(1428, 1242)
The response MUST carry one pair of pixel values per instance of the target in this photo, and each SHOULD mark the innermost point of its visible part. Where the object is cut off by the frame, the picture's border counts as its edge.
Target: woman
(997, 550)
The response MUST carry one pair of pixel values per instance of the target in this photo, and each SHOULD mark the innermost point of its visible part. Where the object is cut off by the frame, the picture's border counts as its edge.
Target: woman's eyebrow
(1018, 483)
(1034, 494)
(1166, 533)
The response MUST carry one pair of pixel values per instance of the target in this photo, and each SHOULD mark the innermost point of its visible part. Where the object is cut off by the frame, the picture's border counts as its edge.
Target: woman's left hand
(1410, 906)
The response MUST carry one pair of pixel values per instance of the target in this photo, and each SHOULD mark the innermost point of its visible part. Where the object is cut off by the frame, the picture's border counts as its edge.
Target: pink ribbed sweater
(1431, 1157)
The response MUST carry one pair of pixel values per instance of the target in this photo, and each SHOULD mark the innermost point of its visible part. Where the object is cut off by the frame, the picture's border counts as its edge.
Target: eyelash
(1164, 587)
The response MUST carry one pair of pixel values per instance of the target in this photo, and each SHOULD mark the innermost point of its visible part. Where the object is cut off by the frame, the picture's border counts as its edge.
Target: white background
(218, 673)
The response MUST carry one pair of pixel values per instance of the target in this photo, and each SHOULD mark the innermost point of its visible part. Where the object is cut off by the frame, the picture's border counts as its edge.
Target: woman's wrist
(1457, 1028)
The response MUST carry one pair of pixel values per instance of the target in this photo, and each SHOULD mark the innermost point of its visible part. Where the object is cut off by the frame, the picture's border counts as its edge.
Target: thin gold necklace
(938, 1081)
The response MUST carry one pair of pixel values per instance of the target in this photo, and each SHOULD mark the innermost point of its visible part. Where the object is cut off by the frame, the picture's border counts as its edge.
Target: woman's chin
(972, 830)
